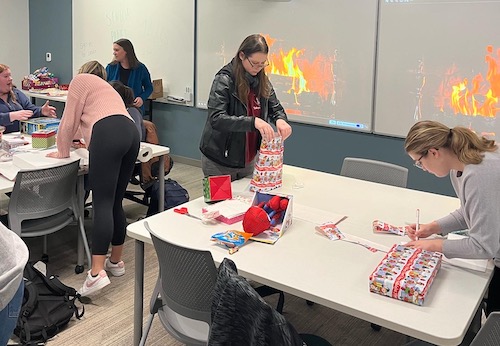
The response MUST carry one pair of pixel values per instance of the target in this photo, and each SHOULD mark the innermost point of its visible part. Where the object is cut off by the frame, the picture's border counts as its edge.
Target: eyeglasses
(258, 65)
(417, 163)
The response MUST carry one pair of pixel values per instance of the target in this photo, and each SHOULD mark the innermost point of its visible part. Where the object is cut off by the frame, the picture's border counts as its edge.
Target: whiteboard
(14, 23)
(162, 32)
(331, 42)
(438, 60)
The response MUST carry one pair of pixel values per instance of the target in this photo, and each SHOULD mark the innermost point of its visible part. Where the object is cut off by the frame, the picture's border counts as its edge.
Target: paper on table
(8, 170)
(474, 264)
(230, 208)
(314, 215)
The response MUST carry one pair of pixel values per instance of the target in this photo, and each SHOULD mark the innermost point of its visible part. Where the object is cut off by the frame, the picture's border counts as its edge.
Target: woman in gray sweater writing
(473, 164)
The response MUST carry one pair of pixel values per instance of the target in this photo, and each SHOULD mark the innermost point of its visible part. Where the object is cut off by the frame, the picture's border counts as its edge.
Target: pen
(417, 227)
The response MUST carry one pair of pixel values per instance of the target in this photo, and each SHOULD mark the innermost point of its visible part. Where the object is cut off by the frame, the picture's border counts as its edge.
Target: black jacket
(241, 317)
(224, 137)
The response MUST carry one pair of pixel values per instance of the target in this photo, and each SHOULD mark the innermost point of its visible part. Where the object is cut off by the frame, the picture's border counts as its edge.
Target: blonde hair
(11, 92)
(93, 67)
(468, 146)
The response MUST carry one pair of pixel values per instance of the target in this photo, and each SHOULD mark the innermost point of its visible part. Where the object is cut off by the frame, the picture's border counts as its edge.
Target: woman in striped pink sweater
(96, 111)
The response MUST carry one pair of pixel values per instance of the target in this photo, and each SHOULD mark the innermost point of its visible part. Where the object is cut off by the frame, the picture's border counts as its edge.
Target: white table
(7, 185)
(36, 95)
(335, 273)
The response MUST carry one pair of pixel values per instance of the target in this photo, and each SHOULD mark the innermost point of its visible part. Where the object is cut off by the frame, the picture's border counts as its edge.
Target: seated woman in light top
(15, 106)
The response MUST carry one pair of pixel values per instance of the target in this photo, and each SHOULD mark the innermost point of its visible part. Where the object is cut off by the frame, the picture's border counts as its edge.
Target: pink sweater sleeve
(70, 122)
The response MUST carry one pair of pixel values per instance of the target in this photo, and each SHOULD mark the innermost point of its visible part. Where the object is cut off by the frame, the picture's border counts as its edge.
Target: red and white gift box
(405, 273)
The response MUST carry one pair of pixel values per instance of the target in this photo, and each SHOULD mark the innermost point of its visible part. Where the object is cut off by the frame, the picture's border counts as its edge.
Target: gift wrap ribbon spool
(145, 154)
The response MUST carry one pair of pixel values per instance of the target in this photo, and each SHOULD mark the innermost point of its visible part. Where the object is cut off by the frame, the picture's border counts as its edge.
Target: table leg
(138, 290)
(79, 195)
(161, 176)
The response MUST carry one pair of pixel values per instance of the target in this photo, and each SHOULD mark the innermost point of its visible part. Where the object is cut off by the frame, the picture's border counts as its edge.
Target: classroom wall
(180, 127)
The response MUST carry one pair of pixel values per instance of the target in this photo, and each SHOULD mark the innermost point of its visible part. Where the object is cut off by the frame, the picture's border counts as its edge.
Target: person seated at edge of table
(473, 164)
(127, 95)
(97, 111)
(241, 104)
(14, 257)
(15, 106)
(126, 68)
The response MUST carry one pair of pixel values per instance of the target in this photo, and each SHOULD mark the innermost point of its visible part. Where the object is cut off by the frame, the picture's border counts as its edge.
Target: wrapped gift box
(38, 124)
(272, 235)
(217, 188)
(43, 138)
(40, 83)
(405, 273)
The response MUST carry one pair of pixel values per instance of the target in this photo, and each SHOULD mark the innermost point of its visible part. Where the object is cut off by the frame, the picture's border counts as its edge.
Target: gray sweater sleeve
(14, 257)
(479, 211)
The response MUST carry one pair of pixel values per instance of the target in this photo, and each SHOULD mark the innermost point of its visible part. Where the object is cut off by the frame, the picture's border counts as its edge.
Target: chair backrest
(375, 171)
(42, 192)
(187, 278)
(489, 334)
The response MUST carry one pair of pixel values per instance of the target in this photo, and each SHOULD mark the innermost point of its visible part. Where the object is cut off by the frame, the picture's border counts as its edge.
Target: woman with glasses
(242, 105)
(473, 164)
(126, 68)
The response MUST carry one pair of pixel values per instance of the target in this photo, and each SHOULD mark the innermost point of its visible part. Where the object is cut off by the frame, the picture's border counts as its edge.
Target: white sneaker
(117, 269)
(94, 284)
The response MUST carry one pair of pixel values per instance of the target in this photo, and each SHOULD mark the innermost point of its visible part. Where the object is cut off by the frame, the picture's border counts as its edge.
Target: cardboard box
(43, 138)
(217, 188)
(272, 235)
(157, 89)
(405, 273)
(38, 124)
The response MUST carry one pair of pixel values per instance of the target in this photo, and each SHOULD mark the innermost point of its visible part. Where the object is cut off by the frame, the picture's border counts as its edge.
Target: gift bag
(268, 171)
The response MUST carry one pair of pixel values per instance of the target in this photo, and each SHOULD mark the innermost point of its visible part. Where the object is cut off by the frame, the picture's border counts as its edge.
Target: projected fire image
(305, 82)
(476, 95)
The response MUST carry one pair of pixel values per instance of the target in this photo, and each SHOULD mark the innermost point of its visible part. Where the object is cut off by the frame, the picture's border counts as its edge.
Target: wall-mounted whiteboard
(438, 60)
(328, 47)
(14, 23)
(162, 32)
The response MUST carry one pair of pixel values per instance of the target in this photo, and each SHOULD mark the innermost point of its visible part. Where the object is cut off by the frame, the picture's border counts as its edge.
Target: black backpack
(175, 194)
(48, 305)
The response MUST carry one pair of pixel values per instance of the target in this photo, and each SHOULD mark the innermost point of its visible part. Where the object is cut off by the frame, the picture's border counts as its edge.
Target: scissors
(184, 211)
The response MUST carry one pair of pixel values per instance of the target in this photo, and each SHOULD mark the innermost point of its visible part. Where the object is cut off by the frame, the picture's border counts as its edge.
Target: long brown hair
(468, 146)
(252, 44)
(128, 47)
(11, 92)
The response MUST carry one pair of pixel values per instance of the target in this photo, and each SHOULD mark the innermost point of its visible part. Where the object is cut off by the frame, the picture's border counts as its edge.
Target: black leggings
(493, 301)
(112, 154)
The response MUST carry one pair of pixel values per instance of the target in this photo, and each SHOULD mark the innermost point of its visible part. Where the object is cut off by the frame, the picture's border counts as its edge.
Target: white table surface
(40, 95)
(335, 273)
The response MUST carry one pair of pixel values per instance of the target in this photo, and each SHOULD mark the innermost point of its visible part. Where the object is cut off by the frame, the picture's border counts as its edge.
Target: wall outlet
(48, 57)
(188, 94)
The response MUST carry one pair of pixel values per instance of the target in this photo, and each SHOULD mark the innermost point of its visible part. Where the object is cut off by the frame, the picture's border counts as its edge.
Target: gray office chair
(44, 201)
(489, 334)
(375, 171)
(183, 291)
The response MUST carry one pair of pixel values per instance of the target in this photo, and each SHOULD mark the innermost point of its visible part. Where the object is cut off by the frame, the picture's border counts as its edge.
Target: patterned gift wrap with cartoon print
(406, 274)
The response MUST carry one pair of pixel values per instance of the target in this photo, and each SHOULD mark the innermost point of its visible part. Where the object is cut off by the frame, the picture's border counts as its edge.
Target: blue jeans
(8, 316)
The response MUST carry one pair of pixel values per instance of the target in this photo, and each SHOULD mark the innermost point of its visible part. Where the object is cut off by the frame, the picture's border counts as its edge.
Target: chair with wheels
(375, 171)
(183, 293)
(45, 201)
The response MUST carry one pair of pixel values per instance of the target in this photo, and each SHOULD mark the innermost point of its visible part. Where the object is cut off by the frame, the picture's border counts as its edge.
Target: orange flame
(306, 77)
(478, 98)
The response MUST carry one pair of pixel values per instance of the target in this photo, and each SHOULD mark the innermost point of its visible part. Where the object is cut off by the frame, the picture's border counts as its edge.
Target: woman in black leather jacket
(241, 106)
